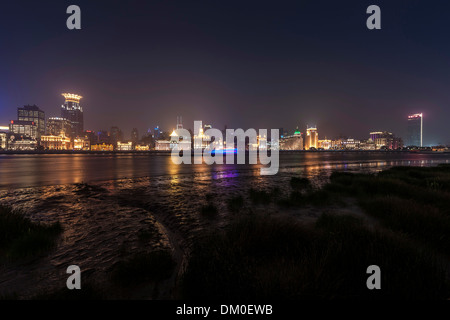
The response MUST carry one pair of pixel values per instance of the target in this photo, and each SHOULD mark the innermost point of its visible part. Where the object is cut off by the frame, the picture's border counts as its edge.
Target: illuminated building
(345, 144)
(3, 140)
(34, 114)
(336, 144)
(415, 130)
(4, 137)
(82, 143)
(312, 138)
(176, 139)
(21, 142)
(142, 148)
(25, 128)
(381, 139)
(324, 144)
(124, 146)
(59, 126)
(60, 142)
(162, 145)
(293, 142)
(350, 144)
(102, 147)
(173, 139)
(261, 142)
(439, 148)
(201, 141)
(78, 144)
(368, 144)
(72, 111)
(385, 140)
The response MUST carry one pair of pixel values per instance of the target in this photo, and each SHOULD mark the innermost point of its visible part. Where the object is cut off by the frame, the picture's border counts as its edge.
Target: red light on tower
(415, 116)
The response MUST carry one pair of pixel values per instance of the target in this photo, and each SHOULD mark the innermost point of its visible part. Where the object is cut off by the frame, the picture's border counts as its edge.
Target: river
(56, 169)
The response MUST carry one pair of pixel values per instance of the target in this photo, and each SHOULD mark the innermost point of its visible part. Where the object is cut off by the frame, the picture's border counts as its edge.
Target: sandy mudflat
(101, 222)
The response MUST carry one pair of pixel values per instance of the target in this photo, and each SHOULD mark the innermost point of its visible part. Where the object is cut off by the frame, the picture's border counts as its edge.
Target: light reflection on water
(39, 170)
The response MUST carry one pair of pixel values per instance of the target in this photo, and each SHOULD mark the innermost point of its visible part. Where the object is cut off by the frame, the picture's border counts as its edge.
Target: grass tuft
(20, 237)
(300, 183)
(271, 258)
(209, 210)
(154, 267)
(235, 203)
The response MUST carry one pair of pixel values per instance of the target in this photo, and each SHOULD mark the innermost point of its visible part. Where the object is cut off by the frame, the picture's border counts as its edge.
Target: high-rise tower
(72, 111)
(312, 138)
(415, 130)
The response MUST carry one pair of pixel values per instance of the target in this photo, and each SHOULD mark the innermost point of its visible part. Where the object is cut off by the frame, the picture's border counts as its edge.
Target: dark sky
(258, 64)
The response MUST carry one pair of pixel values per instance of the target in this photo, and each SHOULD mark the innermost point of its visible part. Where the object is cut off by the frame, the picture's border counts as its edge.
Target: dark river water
(52, 169)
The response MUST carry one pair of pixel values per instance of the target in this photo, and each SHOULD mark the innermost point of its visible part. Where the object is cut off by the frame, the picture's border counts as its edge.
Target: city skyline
(128, 135)
(72, 105)
(146, 67)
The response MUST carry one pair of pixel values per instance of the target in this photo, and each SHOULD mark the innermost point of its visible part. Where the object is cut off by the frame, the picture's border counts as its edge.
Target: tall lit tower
(72, 111)
(415, 130)
(312, 138)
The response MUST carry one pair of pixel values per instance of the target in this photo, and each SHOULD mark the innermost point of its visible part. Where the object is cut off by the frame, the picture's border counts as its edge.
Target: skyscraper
(312, 138)
(33, 113)
(72, 111)
(59, 126)
(415, 130)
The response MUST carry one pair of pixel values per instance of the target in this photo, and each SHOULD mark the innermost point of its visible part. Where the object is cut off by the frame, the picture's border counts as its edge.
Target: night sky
(258, 64)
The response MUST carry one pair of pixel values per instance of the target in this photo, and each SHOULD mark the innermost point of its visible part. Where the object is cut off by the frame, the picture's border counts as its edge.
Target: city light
(72, 97)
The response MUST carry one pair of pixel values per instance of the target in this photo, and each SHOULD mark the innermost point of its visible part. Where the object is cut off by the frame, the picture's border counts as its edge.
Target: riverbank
(151, 152)
(241, 236)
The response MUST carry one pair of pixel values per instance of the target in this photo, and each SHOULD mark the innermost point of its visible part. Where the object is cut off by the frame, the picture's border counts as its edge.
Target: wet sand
(101, 223)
